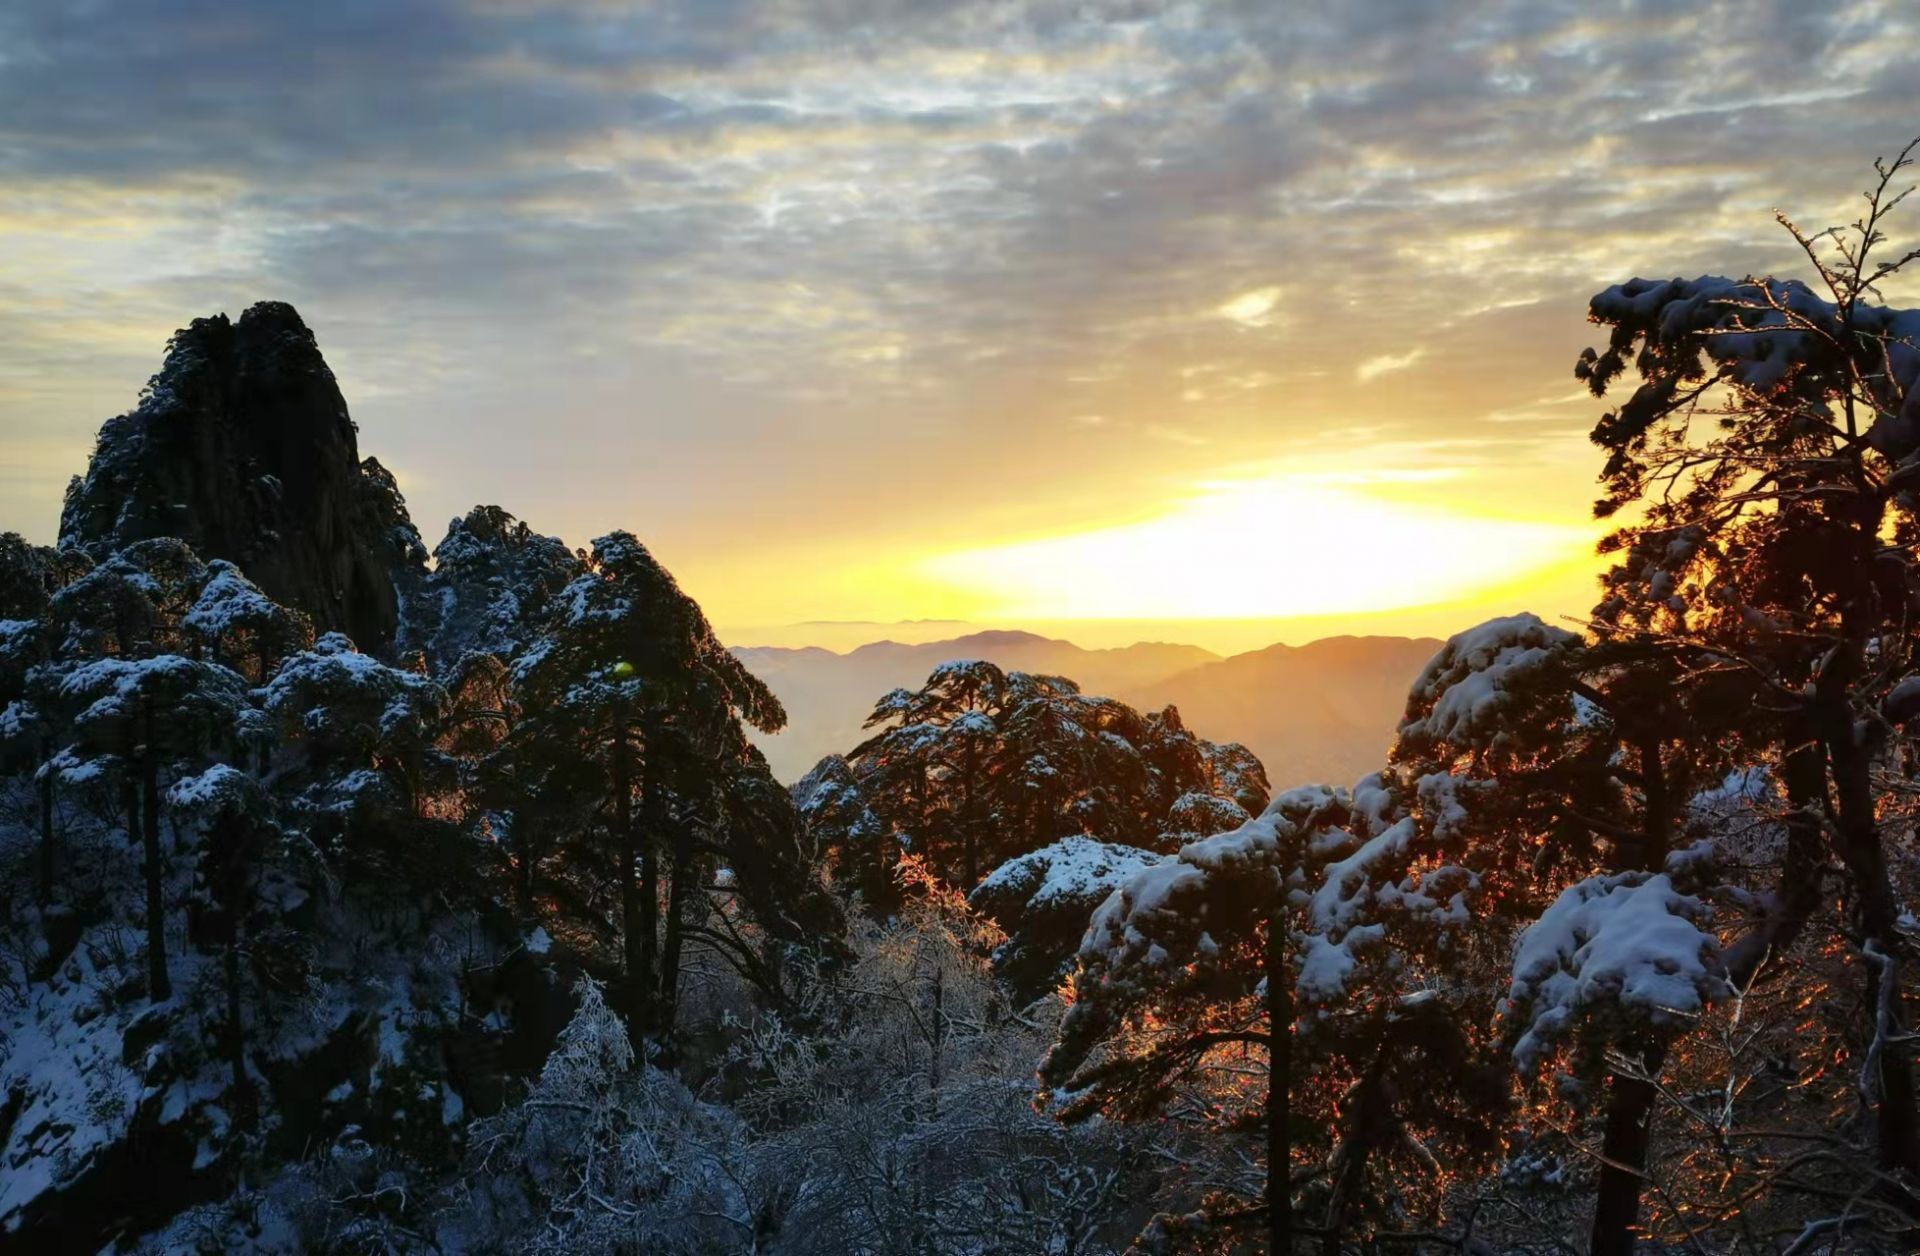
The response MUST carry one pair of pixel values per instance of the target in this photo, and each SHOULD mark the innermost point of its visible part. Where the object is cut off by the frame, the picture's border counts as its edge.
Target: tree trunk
(936, 1046)
(236, 1033)
(159, 988)
(882, 882)
(1850, 763)
(1279, 1090)
(679, 883)
(1624, 1147)
(1367, 1123)
(523, 878)
(130, 803)
(1805, 781)
(652, 810)
(1866, 862)
(1803, 777)
(1629, 1102)
(639, 977)
(1659, 805)
(46, 825)
(969, 849)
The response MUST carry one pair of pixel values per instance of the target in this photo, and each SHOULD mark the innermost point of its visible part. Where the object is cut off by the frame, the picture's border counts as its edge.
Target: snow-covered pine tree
(845, 835)
(1767, 458)
(1306, 944)
(234, 814)
(1552, 763)
(1042, 901)
(120, 686)
(358, 739)
(632, 704)
(161, 716)
(491, 587)
(980, 766)
(243, 628)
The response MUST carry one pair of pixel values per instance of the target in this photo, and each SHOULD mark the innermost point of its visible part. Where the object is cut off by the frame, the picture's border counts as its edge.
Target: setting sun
(1273, 547)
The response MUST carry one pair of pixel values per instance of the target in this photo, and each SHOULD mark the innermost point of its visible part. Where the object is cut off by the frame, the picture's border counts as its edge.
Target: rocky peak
(242, 446)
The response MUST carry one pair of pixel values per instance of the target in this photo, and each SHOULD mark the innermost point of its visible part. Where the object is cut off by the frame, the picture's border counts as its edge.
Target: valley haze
(1326, 710)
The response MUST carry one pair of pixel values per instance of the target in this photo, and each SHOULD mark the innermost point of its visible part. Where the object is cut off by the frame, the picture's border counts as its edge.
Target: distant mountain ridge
(1325, 711)
(1321, 711)
(829, 695)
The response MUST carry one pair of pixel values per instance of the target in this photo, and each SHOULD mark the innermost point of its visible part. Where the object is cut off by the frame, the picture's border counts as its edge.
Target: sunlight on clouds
(1276, 546)
(1386, 364)
(854, 255)
(1253, 309)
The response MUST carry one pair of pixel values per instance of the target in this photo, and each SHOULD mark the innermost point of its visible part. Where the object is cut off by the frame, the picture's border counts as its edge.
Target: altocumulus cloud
(936, 234)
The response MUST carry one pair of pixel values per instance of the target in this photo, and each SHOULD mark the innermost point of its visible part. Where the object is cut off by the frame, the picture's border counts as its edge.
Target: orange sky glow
(1184, 324)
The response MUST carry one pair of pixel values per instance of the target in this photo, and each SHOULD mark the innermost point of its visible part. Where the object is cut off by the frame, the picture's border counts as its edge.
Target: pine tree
(1309, 931)
(357, 731)
(31, 574)
(235, 818)
(491, 588)
(243, 628)
(1556, 763)
(1767, 452)
(980, 766)
(120, 689)
(160, 716)
(634, 707)
(1042, 901)
(846, 836)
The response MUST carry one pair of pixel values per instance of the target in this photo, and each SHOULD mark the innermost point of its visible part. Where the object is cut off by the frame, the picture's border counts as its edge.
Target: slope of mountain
(829, 695)
(1324, 711)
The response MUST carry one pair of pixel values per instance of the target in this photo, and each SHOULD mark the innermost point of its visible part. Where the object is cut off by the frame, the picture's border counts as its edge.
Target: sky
(1222, 321)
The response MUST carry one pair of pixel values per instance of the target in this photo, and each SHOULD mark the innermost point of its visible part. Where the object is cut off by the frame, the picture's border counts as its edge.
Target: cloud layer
(795, 289)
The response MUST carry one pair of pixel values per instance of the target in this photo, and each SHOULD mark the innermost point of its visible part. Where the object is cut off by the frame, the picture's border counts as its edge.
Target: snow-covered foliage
(243, 626)
(492, 581)
(844, 834)
(188, 983)
(632, 749)
(132, 602)
(1345, 868)
(603, 1149)
(1467, 691)
(1042, 901)
(113, 699)
(1173, 983)
(351, 704)
(1611, 955)
(1759, 333)
(981, 766)
(123, 1109)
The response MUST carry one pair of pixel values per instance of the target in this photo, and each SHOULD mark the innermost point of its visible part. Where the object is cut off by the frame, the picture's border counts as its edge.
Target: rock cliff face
(242, 447)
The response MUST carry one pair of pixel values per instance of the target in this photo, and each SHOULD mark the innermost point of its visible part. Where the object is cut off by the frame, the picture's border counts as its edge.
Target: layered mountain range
(1321, 711)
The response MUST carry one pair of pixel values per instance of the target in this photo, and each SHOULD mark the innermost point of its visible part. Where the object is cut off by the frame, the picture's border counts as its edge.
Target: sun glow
(1276, 546)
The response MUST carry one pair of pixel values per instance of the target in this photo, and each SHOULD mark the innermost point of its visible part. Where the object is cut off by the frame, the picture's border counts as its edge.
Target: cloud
(1380, 364)
(1253, 308)
(841, 255)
